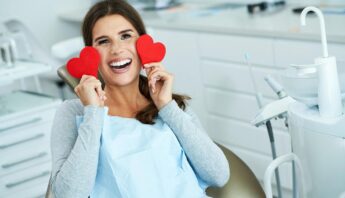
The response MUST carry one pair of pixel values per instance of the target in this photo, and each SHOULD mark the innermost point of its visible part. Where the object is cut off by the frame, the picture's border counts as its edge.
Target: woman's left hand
(160, 83)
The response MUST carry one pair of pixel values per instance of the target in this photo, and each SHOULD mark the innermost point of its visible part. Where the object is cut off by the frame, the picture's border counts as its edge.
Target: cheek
(102, 53)
(135, 53)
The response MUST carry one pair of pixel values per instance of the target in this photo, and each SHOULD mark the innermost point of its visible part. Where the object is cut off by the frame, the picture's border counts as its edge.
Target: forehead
(111, 24)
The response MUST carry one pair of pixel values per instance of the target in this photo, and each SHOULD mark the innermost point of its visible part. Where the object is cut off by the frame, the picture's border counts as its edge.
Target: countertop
(278, 23)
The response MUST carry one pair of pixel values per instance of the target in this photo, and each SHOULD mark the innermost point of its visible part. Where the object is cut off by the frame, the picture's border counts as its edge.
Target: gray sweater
(75, 150)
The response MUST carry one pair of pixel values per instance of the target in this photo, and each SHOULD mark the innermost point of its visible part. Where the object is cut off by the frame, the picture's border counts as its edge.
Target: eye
(102, 41)
(125, 36)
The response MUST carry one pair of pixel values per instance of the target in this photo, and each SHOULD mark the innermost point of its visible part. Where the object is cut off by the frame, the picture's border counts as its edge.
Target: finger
(84, 78)
(155, 64)
(76, 90)
(90, 83)
(159, 76)
(147, 71)
(90, 79)
(152, 85)
(99, 91)
(154, 70)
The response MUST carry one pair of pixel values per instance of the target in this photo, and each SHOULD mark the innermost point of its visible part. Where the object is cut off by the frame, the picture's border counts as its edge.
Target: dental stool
(242, 182)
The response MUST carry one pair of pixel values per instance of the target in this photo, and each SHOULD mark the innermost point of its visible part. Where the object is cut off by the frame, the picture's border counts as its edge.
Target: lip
(120, 71)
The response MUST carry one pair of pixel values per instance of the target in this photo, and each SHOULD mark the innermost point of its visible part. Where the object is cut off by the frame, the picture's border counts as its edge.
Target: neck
(124, 101)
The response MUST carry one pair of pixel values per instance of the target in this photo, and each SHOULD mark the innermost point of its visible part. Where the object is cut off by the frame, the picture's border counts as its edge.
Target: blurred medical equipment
(21, 55)
(325, 71)
(67, 49)
(25, 46)
(149, 5)
(7, 47)
(13, 44)
(265, 6)
(317, 131)
(329, 98)
(259, 100)
(275, 109)
(290, 157)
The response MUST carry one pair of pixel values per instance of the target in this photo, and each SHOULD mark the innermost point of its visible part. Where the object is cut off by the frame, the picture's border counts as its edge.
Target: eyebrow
(121, 32)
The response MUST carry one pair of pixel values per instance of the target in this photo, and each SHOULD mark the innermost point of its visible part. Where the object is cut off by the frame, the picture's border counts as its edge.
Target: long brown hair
(121, 7)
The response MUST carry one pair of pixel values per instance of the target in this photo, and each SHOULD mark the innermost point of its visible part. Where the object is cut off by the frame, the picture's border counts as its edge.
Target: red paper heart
(148, 51)
(87, 63)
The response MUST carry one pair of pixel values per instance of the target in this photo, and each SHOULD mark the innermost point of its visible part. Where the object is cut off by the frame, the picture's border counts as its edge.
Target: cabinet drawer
(233, 48)
(24, 148)
(227, 76)
(237, 106)
(234, 105)
(23, 180)
(37, 191)
(25, 121)
(304, 52)
(237, 77)
(23, 159)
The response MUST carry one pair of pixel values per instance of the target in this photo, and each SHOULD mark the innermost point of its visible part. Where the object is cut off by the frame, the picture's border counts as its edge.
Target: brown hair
(121, 7)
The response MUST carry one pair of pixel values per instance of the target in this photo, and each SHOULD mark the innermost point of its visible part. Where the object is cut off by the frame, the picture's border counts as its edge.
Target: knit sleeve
(75, 150)
(205, 156)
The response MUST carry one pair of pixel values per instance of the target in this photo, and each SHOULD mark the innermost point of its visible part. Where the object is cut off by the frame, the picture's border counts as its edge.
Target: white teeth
(120, 63)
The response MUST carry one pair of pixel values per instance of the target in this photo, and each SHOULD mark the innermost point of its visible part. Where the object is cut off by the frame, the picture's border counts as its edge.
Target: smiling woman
(130, 27)
(134, 138)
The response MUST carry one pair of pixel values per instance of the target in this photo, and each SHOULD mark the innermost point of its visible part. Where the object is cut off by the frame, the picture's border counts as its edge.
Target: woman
(135, 138)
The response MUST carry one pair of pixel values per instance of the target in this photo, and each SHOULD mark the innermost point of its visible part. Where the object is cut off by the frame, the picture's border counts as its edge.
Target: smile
(120, 64)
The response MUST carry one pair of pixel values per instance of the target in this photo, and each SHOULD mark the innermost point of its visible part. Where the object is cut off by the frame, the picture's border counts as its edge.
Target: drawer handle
(14, 184)
(9, 165)
(22, 141)
(21, 124)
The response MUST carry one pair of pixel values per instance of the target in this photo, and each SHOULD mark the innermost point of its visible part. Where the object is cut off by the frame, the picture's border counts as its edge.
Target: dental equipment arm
(268, 124)
(272, 110)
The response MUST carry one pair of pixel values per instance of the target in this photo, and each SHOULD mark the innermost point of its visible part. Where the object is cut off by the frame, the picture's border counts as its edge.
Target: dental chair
(242, 182)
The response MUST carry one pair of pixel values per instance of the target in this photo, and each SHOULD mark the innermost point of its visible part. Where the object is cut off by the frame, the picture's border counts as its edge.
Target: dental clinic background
(244, 71)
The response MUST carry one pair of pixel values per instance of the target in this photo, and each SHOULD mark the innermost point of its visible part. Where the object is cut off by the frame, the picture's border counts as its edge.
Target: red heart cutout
(86, 64)
(148, 51)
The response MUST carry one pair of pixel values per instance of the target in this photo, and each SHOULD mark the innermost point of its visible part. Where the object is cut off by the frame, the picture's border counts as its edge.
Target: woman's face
(114, 38)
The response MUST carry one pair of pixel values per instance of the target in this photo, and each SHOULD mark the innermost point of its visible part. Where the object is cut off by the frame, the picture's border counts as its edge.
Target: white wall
(41, 16)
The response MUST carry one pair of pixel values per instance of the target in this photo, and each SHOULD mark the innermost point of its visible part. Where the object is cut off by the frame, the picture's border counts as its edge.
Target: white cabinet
(25, 125)
(232, 48)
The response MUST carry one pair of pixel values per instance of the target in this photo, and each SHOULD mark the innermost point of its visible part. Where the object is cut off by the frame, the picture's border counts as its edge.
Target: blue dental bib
(139, 160)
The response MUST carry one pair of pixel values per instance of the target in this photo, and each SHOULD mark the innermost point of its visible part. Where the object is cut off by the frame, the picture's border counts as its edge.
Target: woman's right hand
(90, 92)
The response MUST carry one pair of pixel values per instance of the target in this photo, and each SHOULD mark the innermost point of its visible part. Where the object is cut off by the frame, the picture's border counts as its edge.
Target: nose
(116, 48)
